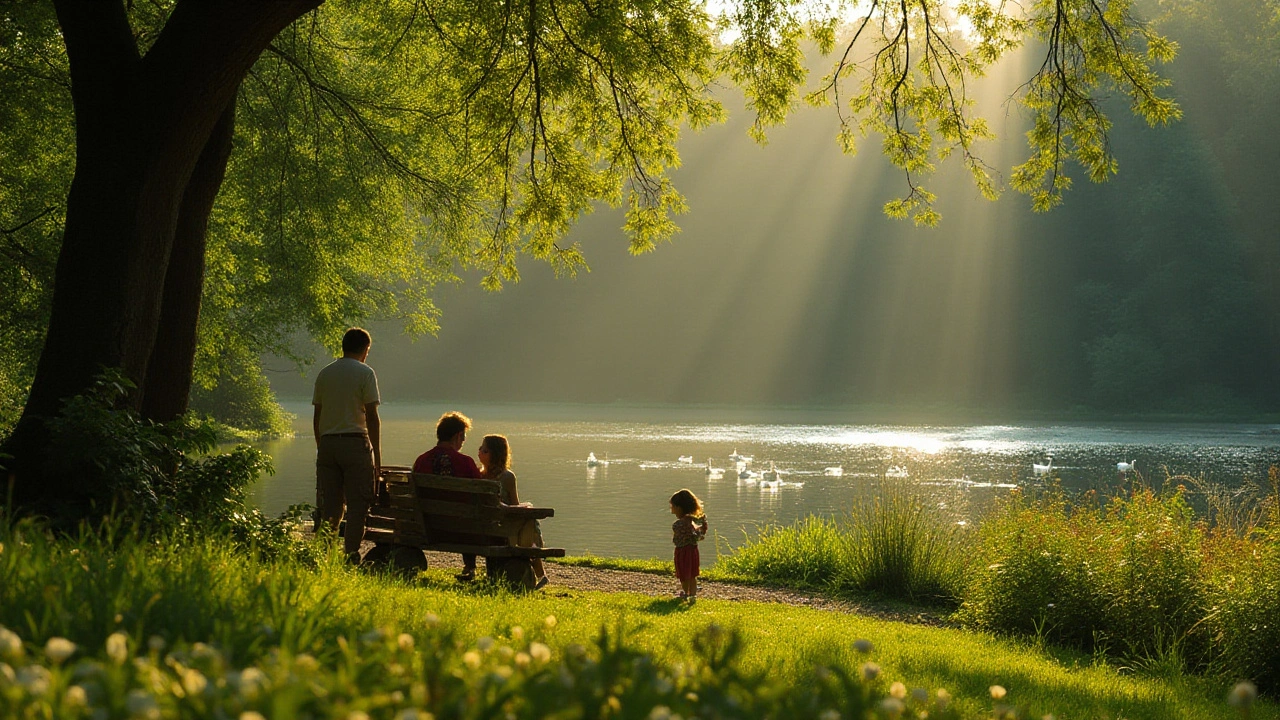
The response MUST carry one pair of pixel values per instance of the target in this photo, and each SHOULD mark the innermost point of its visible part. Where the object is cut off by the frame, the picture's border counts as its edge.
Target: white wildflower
(306, 663)
(829, 714)
(471, 659)
(540, 652)
(7, 677)
(10, 644)
(892, 706)
(870, 671)
(517, 633)
(1242, 695)
(485, 643)
(34, 679)
(522, 659)
(155, 643)
(550, 622)
(660, 712)
(898, 690)
(58, 649)
(118, 647)
(141, 705)
(944, 698)
(920, 695)
(431, 619)
(998, 692)
(404, 641)
(251, 715)
(861, 645)
(75, 697)
(194, 682)
(357, 715)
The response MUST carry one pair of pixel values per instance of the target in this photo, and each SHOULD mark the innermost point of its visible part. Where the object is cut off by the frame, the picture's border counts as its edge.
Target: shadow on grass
(668, 606)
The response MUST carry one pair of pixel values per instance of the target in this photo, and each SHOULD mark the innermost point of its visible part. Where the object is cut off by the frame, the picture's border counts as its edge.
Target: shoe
(541, 583)
(466, 575)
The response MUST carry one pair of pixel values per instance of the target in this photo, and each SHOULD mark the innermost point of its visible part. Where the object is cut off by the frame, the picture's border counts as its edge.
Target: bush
(810, 554)
(159, 475)
(1133, 578)
(896, 545)
(900, 546)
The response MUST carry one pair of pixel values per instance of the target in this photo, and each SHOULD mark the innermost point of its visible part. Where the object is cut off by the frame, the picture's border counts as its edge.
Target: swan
(748, 476)
(686, 459)
(713, 473)
(734, 456)
(593, 461)
(1039, 469)
(836, 471)
(896, 471)
(1125, 467)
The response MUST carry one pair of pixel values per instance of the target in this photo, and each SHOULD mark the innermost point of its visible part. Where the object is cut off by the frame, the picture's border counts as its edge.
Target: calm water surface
(620, 509)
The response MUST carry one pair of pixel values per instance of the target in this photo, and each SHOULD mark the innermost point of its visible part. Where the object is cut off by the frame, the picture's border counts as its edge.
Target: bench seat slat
(440, 482)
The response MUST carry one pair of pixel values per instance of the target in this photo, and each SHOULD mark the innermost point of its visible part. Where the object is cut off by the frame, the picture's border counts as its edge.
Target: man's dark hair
(356, 341)
(451, 423)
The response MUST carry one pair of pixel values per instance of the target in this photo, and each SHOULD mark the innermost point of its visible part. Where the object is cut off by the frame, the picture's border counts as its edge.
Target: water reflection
(620, 508)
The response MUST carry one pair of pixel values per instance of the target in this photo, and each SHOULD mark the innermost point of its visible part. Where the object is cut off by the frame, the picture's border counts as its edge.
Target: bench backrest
(435, 509)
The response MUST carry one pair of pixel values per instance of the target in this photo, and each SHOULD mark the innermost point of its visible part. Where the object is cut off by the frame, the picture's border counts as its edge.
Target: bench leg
(402, 559)
(514, 572)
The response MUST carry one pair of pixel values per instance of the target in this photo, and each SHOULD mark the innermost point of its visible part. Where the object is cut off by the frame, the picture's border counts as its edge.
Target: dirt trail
(571, 577)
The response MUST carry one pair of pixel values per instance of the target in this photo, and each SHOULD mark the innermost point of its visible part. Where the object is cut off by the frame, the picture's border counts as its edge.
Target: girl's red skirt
(687, 562)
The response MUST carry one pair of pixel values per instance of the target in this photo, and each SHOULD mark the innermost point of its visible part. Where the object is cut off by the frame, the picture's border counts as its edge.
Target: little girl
(686, 532)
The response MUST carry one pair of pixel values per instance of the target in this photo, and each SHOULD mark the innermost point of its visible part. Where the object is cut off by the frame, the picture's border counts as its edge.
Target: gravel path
(568, 578)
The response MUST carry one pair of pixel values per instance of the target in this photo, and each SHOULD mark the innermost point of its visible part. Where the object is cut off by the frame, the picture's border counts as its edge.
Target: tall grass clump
(1139, 576)
(899, 545)
(811, 554)
(896, 545)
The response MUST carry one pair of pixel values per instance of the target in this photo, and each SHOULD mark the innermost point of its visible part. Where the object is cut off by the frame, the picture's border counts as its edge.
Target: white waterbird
(1039, 469)
(1125, 467)
(836, 471)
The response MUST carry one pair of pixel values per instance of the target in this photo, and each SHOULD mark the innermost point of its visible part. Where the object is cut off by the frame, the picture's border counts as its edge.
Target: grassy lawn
(253, 608)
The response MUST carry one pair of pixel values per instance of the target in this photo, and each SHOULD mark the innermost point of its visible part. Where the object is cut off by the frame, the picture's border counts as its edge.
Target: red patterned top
(688, 531)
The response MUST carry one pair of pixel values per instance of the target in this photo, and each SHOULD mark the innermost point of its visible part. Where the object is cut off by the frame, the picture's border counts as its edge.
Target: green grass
(257, 610)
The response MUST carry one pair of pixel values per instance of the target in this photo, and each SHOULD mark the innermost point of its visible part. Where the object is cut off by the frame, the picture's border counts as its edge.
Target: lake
(620, 509)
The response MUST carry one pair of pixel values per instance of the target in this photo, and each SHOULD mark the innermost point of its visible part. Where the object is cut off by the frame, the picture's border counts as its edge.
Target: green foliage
(895, 546)
(285, 636)
(1138, 577)
(237, 394)
(159, 475)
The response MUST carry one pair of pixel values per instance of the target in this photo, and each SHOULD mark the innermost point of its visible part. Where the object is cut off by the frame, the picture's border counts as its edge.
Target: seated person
(495, 456)
(446, 458)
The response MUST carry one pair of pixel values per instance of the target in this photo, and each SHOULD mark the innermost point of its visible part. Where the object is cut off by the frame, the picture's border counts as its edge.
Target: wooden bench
(415, 512)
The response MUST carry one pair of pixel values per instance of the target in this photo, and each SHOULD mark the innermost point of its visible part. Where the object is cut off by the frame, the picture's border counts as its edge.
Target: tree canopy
(380, 148)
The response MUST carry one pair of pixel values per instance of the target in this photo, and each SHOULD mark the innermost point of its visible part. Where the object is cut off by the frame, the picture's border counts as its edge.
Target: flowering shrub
(1141, 578)
(392, 675)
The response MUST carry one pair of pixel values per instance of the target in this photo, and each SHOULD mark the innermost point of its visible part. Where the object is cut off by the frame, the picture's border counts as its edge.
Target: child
(686, 532)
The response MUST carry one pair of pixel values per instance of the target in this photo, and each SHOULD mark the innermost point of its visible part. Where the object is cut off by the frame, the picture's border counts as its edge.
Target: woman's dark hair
(687, 503)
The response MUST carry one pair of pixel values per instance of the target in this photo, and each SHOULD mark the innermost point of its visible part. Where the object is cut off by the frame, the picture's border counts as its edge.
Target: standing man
(348, 439)
(446, 458)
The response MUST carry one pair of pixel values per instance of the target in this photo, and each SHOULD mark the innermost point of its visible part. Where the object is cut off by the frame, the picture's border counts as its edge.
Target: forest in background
(1153, 292)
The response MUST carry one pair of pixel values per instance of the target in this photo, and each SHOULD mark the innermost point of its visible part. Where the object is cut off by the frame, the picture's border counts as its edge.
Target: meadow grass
(177, 592)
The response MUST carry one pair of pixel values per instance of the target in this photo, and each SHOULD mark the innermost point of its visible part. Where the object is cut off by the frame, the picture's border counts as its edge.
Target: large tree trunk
(142, 124)
(168, 385)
